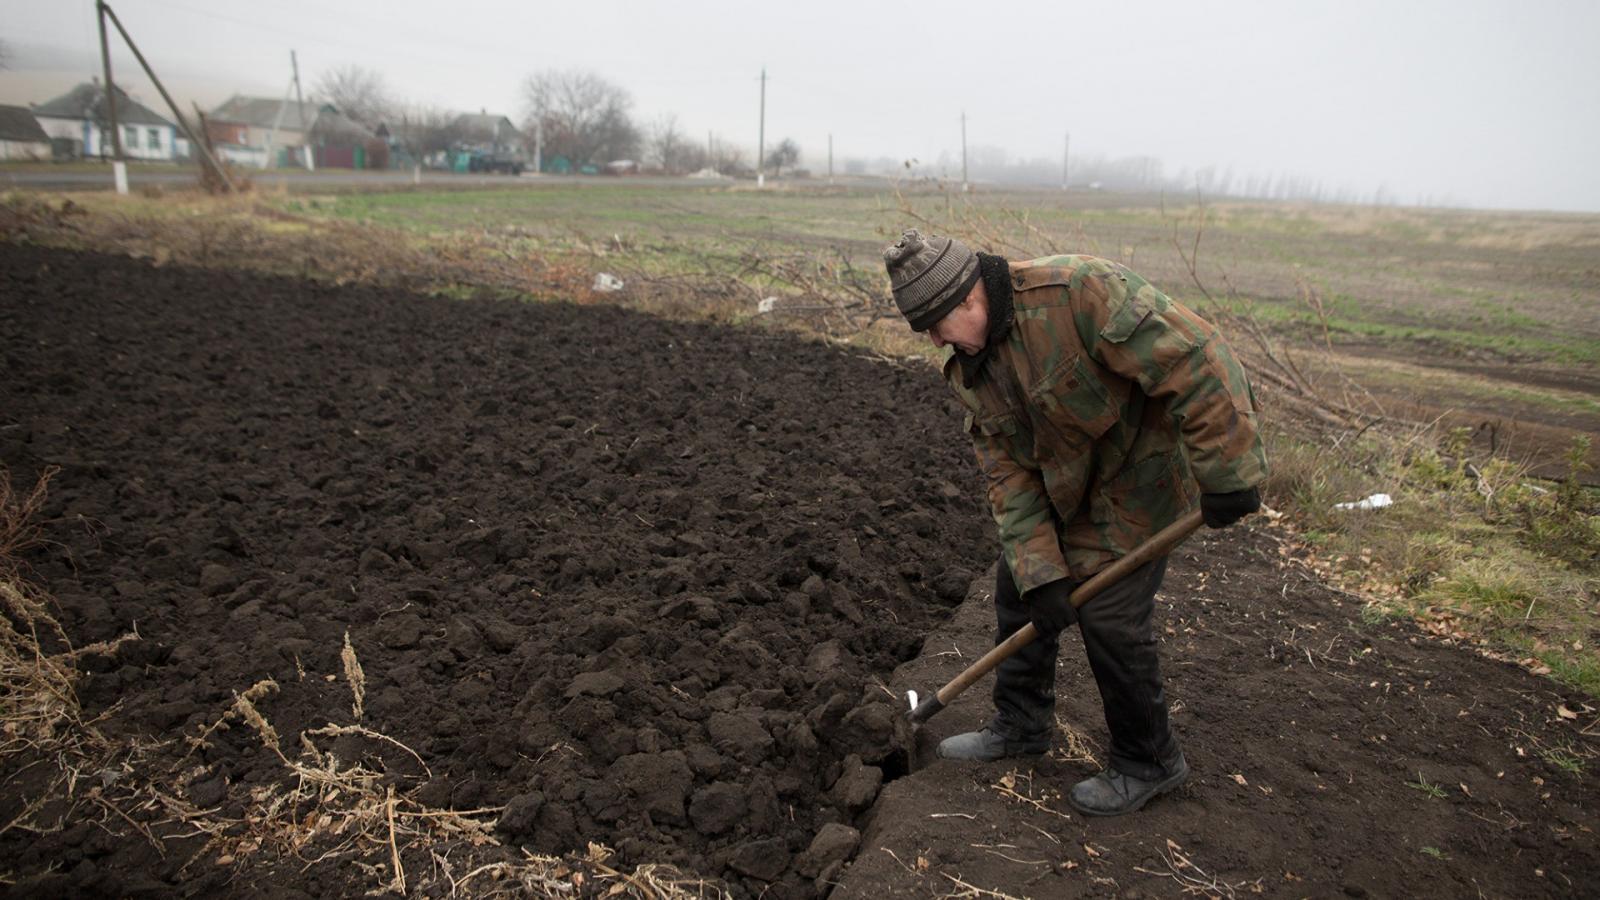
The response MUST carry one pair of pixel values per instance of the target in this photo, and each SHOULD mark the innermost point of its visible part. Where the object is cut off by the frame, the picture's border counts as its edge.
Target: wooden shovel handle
(1159, 545)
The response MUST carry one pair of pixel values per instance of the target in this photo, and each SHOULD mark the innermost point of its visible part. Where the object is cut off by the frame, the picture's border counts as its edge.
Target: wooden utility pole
(830, 158)
(119, 169)
(761, 139)
(194, 140)
(300, 105)
(294, 63)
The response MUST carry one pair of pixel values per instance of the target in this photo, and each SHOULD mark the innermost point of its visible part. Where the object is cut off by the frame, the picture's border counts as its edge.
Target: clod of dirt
(765, 860)
(834, 844)
(217, 579)
(594, 684)
(857, 786)
(717, 807)
(401, 632)
(739, 735)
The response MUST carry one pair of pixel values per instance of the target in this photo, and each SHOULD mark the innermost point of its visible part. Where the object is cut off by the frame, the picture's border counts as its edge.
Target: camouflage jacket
(1094, 412)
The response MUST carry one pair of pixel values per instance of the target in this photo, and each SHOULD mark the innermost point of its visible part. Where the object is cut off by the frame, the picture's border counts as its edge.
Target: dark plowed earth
(632, 578)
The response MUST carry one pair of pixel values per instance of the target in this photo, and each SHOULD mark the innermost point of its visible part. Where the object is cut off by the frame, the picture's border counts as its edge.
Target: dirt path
(1329, 757)
(637, 582)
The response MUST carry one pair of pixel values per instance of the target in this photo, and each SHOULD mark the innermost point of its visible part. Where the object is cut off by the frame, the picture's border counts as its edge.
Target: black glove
(1049, 608)
(1222, 510)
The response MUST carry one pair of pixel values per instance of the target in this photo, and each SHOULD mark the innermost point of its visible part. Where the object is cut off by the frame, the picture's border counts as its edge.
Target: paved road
(81, 180)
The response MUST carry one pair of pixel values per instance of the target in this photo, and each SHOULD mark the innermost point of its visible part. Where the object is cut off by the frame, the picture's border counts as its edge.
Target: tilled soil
(631, 579)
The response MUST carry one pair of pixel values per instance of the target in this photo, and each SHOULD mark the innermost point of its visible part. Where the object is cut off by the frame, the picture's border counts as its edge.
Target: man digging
(1092, 401)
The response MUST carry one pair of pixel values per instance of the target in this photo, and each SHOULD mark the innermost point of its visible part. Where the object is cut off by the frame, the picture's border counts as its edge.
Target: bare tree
(360, 93)
(666, 146)
(787, 153)
(693, 158)
(5, 55)
(584, 117)
(424, 130)
(728, 159)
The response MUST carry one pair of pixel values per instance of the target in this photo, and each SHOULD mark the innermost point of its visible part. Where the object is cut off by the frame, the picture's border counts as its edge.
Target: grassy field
(1470, 316)
(1513, 287)
(1472, 339)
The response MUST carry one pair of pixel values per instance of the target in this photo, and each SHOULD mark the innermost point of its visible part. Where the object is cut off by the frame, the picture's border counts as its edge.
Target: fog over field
(1481, 103)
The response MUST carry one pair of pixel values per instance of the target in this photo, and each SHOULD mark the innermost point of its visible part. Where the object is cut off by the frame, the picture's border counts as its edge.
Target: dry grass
(326, 810)
(241, 232)
(1076, 745)
(42, 730)
(353, 676)
(817, 292)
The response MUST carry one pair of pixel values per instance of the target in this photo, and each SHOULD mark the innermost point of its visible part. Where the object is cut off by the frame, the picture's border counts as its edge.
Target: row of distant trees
(576, 114)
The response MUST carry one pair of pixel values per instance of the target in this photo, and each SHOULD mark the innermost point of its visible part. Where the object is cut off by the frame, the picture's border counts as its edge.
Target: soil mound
(632, 580)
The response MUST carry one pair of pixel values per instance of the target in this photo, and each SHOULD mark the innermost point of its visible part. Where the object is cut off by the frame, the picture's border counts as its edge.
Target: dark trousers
(1121, 644)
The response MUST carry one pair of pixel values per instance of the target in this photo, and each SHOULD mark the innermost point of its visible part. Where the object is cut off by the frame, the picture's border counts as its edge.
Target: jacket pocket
(1073, 400)
(991, 425)
(1145, 496)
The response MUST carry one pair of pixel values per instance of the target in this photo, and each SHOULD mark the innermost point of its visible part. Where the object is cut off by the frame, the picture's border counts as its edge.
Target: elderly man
(1092, 400)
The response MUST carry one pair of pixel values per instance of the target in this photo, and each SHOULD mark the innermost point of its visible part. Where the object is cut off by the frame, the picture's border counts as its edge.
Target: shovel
(1159, 545)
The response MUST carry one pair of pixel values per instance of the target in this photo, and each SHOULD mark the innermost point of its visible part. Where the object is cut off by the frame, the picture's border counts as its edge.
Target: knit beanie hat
(929, 275)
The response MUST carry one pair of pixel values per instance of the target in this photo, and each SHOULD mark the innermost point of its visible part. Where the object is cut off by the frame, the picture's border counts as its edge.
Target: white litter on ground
(1375, 501)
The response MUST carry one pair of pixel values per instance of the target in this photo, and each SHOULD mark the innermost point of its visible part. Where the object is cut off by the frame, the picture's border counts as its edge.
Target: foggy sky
(1476, 103)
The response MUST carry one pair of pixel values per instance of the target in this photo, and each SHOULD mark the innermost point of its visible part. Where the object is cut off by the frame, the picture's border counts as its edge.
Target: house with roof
(341, 142)
(261, 131)
(78, 121)
(266, 132)
(20, 135)
(489, 133)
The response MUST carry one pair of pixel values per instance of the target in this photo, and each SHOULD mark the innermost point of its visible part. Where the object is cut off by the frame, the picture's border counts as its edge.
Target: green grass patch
(1473, 542)
(1563, 759)
(1429, 789)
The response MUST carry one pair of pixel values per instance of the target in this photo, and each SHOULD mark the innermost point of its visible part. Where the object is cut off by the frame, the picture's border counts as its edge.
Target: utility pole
(830, 158)
(300, 104)
(195, 140)
(119, 169)
(761, 139)
(965, 185)
(294, 62)
(538, 144)
(1066, 153)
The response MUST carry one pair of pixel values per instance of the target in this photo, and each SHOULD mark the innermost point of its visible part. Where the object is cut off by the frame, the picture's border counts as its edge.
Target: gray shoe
(1111, 793)
(986, 746)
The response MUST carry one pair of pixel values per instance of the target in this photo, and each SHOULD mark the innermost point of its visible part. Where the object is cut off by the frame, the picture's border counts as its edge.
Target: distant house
(77, 121)
(20, 135)
(341, 142)
(489, 133)
(261, 131)
(267, 132)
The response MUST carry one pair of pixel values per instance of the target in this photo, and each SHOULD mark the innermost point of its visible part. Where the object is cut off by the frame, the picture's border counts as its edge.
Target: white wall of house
(24, 150)
(244, 156)
(149, 141)
(153, 142)
(257, 136)
(62, 128)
